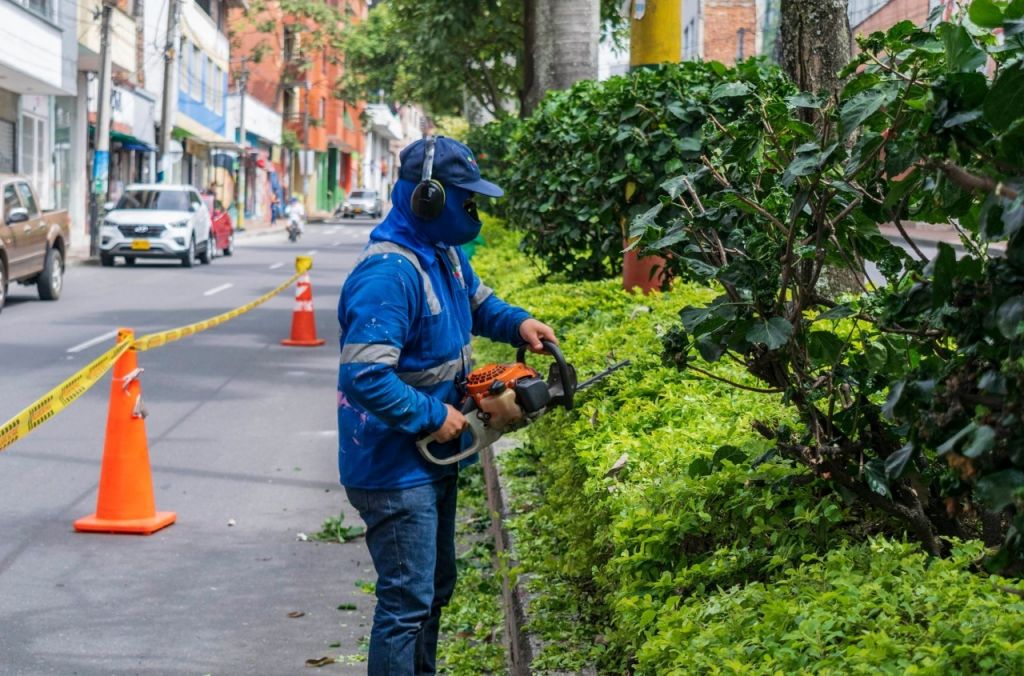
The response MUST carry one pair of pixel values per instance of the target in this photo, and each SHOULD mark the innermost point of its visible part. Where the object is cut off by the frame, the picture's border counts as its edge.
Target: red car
(222, 229)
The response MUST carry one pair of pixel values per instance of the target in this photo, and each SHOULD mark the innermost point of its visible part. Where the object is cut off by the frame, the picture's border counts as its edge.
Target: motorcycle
(293, 231)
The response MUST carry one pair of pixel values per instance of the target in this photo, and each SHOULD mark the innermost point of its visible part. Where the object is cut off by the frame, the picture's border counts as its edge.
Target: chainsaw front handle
(566, 374)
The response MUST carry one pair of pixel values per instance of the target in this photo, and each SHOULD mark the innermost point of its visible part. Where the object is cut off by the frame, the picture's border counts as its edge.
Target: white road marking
(95, 341)
(330, 231)
(312, 252)
(275, 266)
(335, 243)
(218, 289)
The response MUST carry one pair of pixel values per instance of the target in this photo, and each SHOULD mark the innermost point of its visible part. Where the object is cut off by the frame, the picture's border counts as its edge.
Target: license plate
(358, 210)
(140, 245)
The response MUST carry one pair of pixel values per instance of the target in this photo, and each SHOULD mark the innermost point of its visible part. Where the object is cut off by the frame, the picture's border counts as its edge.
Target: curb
(521, 646)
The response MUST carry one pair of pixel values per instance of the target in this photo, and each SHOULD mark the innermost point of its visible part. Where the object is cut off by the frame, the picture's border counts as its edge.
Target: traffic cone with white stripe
(303, 317)
(125, 502)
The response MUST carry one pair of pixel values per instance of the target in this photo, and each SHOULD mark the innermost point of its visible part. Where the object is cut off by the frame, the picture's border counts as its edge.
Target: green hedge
(619, 559)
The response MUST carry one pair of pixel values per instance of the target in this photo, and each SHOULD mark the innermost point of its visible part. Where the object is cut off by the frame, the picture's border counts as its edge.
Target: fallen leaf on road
(296, 613)
(322, 662)
(347, 606)
(302, 537)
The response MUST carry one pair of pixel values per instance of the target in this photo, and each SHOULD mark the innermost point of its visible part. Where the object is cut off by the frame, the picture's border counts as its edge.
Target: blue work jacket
(407, 313)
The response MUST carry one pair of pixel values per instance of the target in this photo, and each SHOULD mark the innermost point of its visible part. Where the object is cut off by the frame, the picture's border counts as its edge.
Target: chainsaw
(501, 398)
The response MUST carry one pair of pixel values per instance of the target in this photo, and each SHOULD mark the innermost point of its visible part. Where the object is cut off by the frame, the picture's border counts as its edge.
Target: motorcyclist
(297, 214)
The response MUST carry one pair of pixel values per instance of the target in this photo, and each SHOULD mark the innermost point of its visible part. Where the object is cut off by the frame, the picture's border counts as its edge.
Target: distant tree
(451, 55)
(560, 46)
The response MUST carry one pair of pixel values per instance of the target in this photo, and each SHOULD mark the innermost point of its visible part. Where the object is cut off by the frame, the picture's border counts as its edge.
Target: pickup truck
(33, 242)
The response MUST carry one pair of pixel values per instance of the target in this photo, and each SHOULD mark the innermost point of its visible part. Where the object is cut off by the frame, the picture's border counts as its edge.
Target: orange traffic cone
(125, 503)
(303, 318)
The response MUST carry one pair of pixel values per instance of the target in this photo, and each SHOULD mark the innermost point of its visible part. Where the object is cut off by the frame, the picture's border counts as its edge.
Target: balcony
(30, 48)
(122, 33)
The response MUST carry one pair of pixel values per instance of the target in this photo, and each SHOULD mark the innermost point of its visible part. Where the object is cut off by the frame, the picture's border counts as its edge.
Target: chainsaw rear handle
(566, 373)
(482, 435)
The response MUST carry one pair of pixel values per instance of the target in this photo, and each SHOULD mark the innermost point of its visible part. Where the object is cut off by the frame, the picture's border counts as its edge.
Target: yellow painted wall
(657, 37)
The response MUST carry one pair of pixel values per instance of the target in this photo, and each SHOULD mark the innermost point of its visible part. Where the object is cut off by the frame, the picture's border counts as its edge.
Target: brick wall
(891, 14)
(723, 20)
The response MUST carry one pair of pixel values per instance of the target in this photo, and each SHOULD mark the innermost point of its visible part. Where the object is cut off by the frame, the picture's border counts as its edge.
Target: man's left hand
(533, 332)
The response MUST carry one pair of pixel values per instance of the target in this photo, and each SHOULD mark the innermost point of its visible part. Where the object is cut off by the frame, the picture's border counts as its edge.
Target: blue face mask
(458, 223)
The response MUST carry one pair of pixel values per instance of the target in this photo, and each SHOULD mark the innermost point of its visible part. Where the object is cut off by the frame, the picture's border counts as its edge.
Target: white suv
(157, 221)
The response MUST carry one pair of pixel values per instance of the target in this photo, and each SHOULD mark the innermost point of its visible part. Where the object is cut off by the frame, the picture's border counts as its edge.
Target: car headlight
(179, 224)
(109, 224)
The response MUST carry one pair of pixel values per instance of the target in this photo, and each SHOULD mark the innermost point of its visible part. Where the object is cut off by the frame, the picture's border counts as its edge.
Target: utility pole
(655, 33)
(101, 155)
(243, 80)
(170, 87)
(305, 142)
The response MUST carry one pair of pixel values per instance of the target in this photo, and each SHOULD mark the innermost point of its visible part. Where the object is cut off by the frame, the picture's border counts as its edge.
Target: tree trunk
(565, 35)
(814, 44)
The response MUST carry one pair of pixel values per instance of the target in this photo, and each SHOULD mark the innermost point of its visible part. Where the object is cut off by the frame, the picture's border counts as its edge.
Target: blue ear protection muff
(428, 197)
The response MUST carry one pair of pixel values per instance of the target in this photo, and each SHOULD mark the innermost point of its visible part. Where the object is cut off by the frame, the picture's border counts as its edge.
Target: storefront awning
(127, 141)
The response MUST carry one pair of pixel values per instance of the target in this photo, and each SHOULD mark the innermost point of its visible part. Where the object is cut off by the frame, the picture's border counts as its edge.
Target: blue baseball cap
(454, 164)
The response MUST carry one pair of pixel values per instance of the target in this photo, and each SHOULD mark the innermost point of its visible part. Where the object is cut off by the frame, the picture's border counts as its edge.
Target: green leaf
(730, 453)
(1009, 317)
(893, 399)
(983, 438)
(824, 347)
(693, 317)
(962, 55)
(861, 107)
(728, 90)
(646, 220)
(841, 311)
(874, 474)
(985, 13)
(803, 100)
(896, 463)
(699, 467)
(675, 186)
(951, 443)
(1002, 104)
(943, 273)
(1001, 489)
(773, 333)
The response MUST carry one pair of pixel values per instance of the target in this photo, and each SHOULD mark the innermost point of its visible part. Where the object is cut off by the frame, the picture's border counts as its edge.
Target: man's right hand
(454, 425)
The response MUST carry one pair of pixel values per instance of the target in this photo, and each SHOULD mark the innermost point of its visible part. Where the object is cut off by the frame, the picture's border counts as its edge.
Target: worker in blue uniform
(407, 312)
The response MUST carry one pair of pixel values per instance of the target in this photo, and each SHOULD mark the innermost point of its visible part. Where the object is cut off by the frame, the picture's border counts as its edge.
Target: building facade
(38, 90)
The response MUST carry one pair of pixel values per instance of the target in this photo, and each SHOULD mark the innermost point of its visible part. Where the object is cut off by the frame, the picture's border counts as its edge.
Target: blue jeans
(411, 536)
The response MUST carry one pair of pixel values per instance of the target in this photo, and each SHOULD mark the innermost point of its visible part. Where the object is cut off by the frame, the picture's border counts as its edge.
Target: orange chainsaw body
(498, 401)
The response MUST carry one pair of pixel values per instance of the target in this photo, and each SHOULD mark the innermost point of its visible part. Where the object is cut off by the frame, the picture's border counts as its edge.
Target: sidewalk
(929, 235)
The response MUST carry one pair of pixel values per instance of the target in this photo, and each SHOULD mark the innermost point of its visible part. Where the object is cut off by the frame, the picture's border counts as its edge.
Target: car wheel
(189, 257)
(129, 260)
(3, 283)
(51, 279)
(106, 260)
(230, 248)
(207, 256)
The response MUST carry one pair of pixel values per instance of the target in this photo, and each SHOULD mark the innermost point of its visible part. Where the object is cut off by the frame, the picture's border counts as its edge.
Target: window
(28, 199)
(690, 40)
(164, 200)
(196, 66)
(183, 56)
(323, 108)
(859, 10)
(213, 88)
(11, 200)
(741, 35)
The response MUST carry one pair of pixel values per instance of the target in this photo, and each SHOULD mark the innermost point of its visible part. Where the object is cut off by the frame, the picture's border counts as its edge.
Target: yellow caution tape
(152, 340)
(60, 397)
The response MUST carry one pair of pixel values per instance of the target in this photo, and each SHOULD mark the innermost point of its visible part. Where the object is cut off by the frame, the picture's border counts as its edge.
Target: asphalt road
(241, 430)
